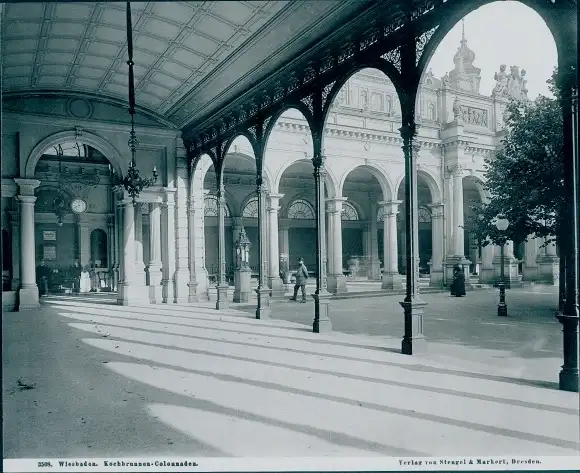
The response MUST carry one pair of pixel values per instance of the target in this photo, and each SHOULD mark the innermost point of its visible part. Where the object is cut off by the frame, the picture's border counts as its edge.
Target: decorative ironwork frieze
(326, 91)
(394, 57)
(309, 102)
(309, 73)
(370, 38)
(422, 41)
(347, 51)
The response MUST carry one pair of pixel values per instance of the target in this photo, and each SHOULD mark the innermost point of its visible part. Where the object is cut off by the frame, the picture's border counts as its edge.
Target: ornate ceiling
(190, 57)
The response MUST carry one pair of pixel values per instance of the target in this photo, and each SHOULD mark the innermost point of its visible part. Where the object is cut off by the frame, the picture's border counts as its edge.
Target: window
(251, 208)
(68, 148)
(349, 212)
(301, 209)
(210, 207)
(431, 113)
(424, 215)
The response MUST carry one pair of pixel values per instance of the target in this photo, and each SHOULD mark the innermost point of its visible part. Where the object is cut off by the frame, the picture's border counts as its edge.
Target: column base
(450, 263)
(131, 294)
(392, 281)
(263, 307)
(155, 293)
(486, 276)
(277, 288)
(222, 297)
(336, 283)
(510, 271)
(181, 281)
(28, 298)
(530, 273)
(549, 270)
(413, 341)
(322, 322)
(192, 296)
(436, 278)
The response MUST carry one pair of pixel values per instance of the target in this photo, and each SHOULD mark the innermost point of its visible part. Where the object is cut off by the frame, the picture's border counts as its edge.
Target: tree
(525, 176)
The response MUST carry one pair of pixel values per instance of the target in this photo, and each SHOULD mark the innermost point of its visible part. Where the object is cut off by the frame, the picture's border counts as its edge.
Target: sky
(502, 33)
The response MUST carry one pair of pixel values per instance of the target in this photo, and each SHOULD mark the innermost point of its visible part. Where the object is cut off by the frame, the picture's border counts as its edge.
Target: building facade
(60, 209)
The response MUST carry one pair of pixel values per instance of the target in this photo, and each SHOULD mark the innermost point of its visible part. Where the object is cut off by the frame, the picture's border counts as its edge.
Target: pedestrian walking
(301, 278)
(458, 284)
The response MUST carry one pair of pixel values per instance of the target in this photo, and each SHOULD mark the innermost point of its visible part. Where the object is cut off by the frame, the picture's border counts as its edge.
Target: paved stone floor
(82, 378)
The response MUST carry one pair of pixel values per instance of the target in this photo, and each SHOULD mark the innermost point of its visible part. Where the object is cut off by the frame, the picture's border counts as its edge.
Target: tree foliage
(525, 176)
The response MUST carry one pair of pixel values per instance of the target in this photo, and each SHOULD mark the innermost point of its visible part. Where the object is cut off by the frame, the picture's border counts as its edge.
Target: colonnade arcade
(400, 46)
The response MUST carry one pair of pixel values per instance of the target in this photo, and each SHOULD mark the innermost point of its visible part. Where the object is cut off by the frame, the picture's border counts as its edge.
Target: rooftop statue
(512, 86)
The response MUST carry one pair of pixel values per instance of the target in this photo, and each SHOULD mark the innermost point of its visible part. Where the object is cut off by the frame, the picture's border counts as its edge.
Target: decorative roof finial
(463, 30)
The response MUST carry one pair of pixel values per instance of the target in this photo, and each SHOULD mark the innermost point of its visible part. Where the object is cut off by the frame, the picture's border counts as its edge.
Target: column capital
(335, 204)
(456, 171)
(390, 207)
(26, 199)
(437, 210)
(274, 199)
(27, 186)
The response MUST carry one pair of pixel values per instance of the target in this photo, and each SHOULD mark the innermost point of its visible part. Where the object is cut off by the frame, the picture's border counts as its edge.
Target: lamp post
(502, 223)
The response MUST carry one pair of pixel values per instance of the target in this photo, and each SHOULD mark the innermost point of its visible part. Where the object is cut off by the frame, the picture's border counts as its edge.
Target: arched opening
(362, 237)
(424, 222)
(74, 204)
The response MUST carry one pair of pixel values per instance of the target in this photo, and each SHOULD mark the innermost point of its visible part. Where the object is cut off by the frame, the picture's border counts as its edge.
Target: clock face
(78, 206)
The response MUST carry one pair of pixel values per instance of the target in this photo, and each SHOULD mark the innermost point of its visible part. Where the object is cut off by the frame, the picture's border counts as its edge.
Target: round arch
(265, 172)
(561, 31)
(479, 186)
(330, 181)
(87, 138)
(277, 113)
(246, 134)
(378, 173)
(431, 182)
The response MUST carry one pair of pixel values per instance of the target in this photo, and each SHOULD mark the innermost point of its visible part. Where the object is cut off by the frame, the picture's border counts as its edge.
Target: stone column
(83, 240)
(154, 267)
(192, 235)
(168, 245)
(458, 244)
(487, 272)
(182, 275)
(336, 279)
(15, 227)
(128, 295)
(436, 269)
(222, 285)
(391, 277)
(283, 238)
(274, 281)
(530, 269)
(329, 242)
(548, 263)
(139, 263)
(111, 248)
(262, 291)
(322, 321)
(374, 268)
(117, 239)
(28, 290)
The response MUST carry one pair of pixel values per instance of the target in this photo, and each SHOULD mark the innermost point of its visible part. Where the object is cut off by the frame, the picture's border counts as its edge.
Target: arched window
(389, 104)
(251, 208)
(68, 148)
(380, 214)
(301, 209)
(424, 215)
(210, 207)
(349, 212)
(431, 112)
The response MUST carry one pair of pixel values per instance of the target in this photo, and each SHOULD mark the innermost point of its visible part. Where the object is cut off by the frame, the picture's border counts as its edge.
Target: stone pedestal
(337, 283)
(486, 270)
(510, 270)
(413, 339)
(28, 298)
(392, 281)
(277, 287)
(548, 271)
(242, 286)
(322, 322)
(450, 263)
(263, 307)
(222, 297)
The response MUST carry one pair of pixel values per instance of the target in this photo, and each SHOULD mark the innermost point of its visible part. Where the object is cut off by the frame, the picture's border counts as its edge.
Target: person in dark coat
(458, 284)
(301, 278)
(43, 274)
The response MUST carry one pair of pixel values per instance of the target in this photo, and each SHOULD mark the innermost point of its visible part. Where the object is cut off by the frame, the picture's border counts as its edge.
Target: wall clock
(78, 206)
